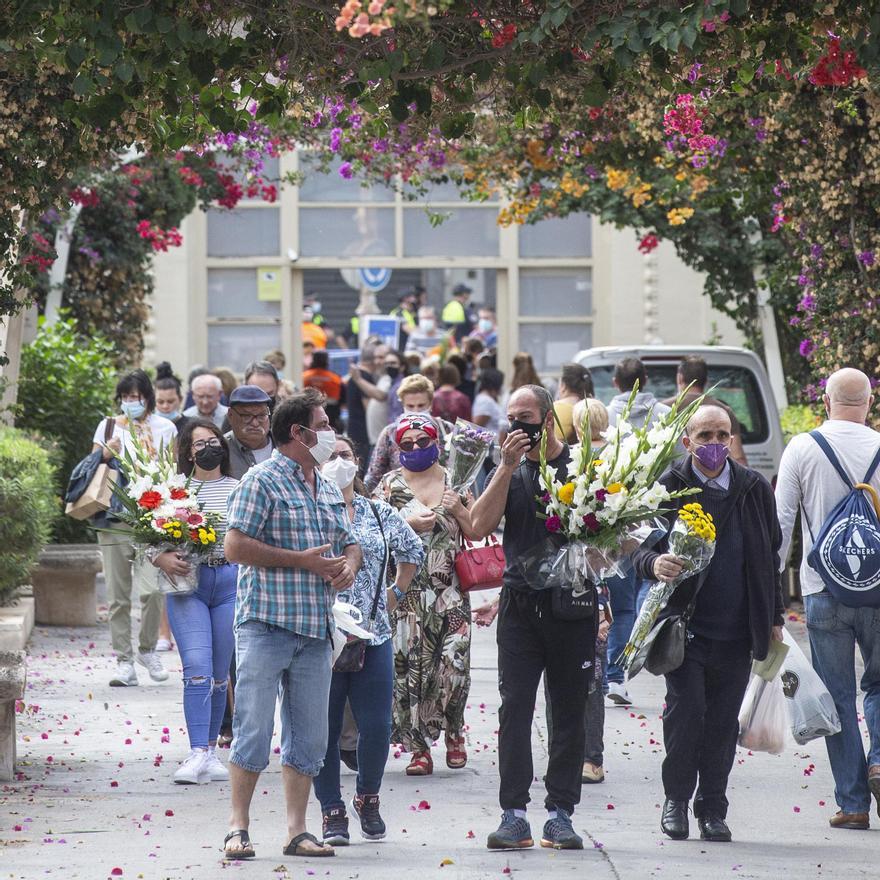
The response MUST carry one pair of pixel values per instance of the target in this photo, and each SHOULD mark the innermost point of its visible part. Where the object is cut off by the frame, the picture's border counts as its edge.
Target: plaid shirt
(274, 504)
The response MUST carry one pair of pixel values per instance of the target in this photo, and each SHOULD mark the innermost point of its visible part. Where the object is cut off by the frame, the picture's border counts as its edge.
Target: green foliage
(798, 419)
(65, 389)
(27, 507)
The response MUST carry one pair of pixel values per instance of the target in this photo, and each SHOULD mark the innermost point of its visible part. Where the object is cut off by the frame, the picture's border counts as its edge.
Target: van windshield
(736, 386)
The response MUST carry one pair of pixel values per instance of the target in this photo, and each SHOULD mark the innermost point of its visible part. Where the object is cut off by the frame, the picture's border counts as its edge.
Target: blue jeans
(623, 592)
(202, 627)
(369, 691)
(269, 657)
(835, 630)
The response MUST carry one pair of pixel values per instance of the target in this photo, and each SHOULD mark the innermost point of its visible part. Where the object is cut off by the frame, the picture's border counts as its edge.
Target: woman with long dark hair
(202, 622)
(136, 403)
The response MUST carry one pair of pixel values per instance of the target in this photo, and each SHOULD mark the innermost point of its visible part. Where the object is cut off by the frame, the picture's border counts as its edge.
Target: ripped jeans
(202, 627)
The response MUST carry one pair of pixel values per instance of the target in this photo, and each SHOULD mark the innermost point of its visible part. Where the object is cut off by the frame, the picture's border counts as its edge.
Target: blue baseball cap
(249, 394)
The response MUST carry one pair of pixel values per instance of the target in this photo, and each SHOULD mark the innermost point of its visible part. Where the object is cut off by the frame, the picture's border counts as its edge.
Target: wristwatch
(398, 593)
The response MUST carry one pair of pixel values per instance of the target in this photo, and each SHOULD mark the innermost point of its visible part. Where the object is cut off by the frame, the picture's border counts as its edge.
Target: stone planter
(64, 585)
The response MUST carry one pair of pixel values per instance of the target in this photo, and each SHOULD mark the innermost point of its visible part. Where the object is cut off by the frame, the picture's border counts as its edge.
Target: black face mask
(532, 430)
(209, 457)
(392, 372)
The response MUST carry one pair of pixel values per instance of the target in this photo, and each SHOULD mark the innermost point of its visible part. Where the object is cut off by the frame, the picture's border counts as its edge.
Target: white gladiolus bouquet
(609, 505)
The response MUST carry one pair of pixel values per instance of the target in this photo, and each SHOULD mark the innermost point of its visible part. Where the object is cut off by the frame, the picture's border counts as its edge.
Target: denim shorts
(269, 658)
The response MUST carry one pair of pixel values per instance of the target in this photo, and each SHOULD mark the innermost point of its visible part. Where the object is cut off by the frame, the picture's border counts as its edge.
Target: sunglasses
(409, 445)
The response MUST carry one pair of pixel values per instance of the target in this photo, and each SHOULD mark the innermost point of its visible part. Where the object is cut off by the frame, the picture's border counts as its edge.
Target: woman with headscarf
(432, 622)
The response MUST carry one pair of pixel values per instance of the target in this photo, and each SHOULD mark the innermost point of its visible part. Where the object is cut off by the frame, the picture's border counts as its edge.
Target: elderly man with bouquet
(731, 608)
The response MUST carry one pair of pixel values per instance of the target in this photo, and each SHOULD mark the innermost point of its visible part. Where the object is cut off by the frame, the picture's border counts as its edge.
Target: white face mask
(324, 447)
(340, 471)
(426, 325)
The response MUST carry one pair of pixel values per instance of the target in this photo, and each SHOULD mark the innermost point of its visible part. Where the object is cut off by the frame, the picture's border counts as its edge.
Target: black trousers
(530, 641)
(700, 726)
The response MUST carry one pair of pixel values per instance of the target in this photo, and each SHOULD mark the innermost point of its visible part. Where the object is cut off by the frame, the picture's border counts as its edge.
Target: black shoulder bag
(663, 648)
(352, 657)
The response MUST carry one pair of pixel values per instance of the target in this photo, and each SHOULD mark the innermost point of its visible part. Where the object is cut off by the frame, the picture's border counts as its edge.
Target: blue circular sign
(375, 279)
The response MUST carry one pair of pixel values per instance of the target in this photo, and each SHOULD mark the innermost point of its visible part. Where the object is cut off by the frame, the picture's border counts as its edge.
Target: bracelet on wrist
(398, 593)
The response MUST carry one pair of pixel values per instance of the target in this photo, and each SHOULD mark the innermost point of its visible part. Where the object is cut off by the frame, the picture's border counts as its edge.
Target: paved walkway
(95, 797)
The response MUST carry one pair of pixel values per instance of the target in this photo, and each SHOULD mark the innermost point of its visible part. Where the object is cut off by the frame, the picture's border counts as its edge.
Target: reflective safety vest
(453, 313)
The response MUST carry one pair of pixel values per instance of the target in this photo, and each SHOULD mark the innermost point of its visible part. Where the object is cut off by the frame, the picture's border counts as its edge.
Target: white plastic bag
(762, 717)
(811, 708)
(348, 619)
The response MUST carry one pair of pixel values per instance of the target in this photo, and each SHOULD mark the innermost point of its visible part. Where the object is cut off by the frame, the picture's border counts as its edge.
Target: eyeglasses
(409, 445)
(348, 455)
(205, 444)
(251, 419)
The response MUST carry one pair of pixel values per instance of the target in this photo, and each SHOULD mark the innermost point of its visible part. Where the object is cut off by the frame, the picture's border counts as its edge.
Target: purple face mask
(420, 459)
(712, 456)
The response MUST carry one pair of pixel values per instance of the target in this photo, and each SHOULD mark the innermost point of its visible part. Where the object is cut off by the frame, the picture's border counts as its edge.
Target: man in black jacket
(737, 610)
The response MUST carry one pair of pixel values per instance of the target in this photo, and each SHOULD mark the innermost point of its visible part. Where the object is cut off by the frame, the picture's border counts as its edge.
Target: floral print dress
(432, 633)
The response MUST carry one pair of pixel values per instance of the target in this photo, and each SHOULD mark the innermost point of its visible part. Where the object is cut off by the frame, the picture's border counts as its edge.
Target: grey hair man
(206, 392)
(808, 482)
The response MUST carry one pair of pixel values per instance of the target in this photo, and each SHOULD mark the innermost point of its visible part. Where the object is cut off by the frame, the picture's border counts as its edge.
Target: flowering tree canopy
(744, 132)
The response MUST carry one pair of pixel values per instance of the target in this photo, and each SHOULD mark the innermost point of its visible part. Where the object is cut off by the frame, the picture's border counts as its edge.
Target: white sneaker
(125, 675)
(163, 645)
(617, 694)
(154, 665)
(194, 769)
(215, 768)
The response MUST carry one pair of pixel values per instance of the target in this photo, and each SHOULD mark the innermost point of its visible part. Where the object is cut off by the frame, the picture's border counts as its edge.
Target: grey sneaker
(125, 675)
(150, 659)
(512, 833)
(559, 833)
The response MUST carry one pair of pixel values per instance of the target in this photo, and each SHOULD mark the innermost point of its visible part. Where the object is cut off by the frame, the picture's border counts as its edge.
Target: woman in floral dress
(432, 625)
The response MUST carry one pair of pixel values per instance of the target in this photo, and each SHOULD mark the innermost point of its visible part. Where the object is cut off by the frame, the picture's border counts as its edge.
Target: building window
(468, 232)
(557, 237)
(346, 232)
(552, 344)
(248, 232)
(236, 345)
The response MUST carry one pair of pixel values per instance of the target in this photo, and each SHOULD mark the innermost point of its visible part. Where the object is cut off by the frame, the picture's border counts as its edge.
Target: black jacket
(762, 538)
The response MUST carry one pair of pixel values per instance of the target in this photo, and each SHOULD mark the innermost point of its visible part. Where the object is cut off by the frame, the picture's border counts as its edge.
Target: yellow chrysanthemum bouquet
(692, 540)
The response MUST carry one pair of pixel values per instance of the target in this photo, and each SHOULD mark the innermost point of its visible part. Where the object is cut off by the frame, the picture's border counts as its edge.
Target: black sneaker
(366, 808)
(512, 833)
(335, 827)
(559, 833)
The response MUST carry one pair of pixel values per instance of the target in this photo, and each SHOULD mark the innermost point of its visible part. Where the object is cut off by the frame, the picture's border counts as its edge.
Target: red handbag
(480, 568)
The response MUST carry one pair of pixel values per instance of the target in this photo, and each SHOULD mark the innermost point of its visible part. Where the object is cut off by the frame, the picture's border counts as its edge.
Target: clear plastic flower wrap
(580, 564)
(181, 584)
(692, 540)
(469, 445)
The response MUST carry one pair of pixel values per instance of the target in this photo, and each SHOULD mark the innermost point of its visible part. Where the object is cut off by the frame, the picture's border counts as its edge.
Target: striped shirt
(213, 496)
(274, 504)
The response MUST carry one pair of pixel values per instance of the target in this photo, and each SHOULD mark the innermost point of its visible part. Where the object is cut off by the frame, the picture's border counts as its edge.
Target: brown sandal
(296, 848)
(422, 764)
(245, 851)
(456, 755)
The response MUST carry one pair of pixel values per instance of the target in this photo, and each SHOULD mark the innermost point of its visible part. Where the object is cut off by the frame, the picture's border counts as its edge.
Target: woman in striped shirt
(202, 622)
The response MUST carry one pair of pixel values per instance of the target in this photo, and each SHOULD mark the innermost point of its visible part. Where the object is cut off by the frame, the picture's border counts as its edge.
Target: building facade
(235, 288)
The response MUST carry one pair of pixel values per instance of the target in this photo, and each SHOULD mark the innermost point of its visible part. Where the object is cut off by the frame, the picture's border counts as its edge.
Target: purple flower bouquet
(469, 445)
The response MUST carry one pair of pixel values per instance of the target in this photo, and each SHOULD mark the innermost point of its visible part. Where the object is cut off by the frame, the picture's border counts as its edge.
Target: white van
(738, 375)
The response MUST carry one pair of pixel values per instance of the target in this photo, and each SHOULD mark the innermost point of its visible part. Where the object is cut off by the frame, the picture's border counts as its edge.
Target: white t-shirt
(486, 405)
(162, 432)
(807, 478)
(213, 495)
(377, 410)
(263, 453)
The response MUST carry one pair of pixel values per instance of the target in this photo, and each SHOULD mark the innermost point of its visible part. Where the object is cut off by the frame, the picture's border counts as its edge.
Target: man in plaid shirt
(288, 530)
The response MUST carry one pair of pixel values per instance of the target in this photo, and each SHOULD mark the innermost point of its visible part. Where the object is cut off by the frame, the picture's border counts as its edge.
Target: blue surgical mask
(133, 409)
(172, 416)
(420, 459)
